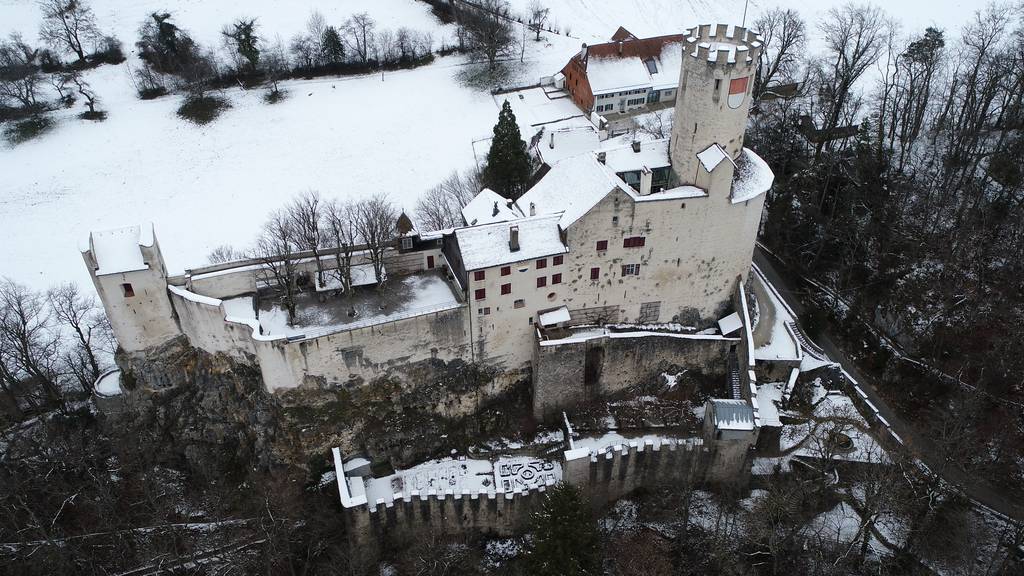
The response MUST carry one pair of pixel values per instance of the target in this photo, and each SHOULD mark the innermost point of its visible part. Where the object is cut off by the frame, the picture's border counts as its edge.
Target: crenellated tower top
(717, 76)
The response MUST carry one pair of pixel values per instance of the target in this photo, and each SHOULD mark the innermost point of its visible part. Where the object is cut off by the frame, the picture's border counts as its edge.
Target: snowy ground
(351, 137)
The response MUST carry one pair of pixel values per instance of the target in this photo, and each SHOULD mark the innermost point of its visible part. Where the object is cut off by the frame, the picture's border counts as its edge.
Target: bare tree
(303, 49)
(224, 253)
(19, 72)
(376, 222)
(538, 17)
(437, 210)
(488, 34)
(275, 66)
(783, 34)
(340, 223)
(855, 36)
(84, 318)
(83, 88)
(306, 215)
(276, 248)
(68, 25)
(31, 343)
(316, 25)
(359, 35)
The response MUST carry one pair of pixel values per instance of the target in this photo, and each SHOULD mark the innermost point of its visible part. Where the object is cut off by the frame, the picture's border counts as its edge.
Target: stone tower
(128, 271)
(712, 104)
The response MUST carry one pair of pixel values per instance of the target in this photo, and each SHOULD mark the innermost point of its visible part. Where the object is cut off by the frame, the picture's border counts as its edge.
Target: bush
(95, 115)
(274, 96)
(202, 109)
(152, 92)
(28, 129)
(109, 51)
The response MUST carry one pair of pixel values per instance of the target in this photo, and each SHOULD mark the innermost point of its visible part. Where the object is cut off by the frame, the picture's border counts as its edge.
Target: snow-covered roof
(572, 187)
(557, 145)
(487, 207)
(488, 245)
(362, 275)
(556, 316)
(730, 323)
(733, 414)
(614, 73)
(617, 74)
(653, 154)
(117, 250)
(712, 156)
(753, 177)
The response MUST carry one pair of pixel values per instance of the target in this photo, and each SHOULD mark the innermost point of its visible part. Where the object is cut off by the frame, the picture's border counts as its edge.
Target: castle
(615, 262)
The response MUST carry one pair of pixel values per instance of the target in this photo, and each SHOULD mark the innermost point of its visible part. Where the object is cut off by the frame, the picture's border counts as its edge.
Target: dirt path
(919, 445)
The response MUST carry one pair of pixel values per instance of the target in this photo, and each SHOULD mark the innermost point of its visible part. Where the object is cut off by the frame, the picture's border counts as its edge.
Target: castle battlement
(722, 44)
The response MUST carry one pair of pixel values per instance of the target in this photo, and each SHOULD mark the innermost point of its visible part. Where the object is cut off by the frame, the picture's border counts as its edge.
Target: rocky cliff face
(212, 411)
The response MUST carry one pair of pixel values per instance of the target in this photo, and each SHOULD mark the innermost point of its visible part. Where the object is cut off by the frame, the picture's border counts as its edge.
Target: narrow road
(920, 446)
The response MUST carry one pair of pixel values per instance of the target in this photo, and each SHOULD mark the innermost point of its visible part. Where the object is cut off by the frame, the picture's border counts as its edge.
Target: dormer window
(652, 65)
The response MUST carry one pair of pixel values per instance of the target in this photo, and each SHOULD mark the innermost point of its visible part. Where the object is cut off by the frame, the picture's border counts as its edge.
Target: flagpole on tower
(745, 4)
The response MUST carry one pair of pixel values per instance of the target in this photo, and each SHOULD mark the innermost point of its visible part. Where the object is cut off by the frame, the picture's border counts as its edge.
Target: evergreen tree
(333, 49)
(508, 163)
(241, 35)
(565, 539)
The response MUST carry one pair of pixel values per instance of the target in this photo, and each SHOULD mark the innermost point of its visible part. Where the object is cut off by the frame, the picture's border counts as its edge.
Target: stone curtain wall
(604, 476)
(574, 372)
(610, 473)
(349, 357)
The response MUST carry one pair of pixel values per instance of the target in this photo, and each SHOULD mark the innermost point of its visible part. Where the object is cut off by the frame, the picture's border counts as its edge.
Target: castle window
(542, 263)
(406, 243)
(128, 290)
(480, 294)
(602, 245)
(542, 281)
(556, 261)
(633, 242)
(552, 296)
(519, 303)
(479, 275)
(506, 270)
(615, 220)
(718, 89)
(556, 278)
(506, 288)
(630, 269)
(483, 311)
(595, 273)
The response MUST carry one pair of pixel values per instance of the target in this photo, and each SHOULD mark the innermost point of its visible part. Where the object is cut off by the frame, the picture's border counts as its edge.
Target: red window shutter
(634, 242)
(602, 245)
(641, 240)
(506, 288)
(506, 270)
(556, 261)
(479, 275)
(481, 293)
(556, 278)
(542, 281)
(542, 263)
(595, 273)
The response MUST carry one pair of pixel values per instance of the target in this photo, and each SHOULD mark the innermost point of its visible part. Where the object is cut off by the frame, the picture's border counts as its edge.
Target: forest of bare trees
(899, 191)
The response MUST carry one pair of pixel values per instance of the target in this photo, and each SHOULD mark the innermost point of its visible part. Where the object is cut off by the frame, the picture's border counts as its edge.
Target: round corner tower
(712, 103)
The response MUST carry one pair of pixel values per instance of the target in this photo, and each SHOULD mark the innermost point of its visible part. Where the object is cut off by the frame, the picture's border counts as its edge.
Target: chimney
(620, 47)
(646, 179)
(513, 238)
(495, 212)
(602, 157)
(552, 144)
(533, 209)
(583, 53)
(636, 146)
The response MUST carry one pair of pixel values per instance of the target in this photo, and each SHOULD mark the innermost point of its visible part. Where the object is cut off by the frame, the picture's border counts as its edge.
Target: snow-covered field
(350, 137)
